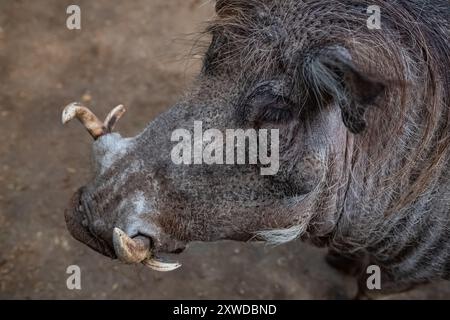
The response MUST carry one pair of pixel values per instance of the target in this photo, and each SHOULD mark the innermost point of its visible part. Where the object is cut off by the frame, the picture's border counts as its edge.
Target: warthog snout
(96, 233)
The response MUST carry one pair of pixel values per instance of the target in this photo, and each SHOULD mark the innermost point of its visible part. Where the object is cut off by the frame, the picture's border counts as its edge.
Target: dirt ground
(137, 53)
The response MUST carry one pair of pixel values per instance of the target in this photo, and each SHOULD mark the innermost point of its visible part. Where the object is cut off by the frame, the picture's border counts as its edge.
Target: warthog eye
(268, 104)
(276, 110)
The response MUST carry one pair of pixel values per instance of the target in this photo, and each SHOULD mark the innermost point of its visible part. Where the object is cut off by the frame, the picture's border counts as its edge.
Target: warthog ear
(332, 74)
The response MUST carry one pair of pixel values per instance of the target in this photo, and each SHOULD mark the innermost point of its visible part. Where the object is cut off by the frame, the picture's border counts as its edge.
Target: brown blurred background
(138, 53)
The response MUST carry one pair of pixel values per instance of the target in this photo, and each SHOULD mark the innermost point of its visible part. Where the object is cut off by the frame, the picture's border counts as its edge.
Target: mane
(411, 52)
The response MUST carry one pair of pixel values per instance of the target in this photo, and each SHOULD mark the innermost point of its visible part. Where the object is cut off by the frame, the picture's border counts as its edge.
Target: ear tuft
(332, 72)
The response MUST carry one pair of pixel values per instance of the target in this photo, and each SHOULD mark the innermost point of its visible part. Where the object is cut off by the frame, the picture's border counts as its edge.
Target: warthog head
(311, 70)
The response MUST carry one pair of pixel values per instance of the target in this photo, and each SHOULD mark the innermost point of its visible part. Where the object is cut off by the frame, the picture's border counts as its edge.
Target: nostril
(178, 250)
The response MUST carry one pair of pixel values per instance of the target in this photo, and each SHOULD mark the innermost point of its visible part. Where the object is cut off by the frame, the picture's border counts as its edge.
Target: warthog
(363, 118)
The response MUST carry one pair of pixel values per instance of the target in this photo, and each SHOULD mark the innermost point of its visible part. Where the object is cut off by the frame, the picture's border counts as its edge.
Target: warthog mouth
(139, 250)
(129, 249)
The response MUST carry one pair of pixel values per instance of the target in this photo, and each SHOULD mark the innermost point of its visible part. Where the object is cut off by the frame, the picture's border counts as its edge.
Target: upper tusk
(113, 117)
(86, 117)
(161, 266)
(138, 250)
(95, 127)
(130, 250)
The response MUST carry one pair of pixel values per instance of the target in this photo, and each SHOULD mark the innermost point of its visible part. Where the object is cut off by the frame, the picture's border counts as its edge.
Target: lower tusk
(161, 266)
(137, 250)
(130, 250)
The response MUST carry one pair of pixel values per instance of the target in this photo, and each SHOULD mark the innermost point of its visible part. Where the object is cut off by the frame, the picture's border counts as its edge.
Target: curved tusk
(86, 117)
(113, 117)
(130, 250)
(161, 266)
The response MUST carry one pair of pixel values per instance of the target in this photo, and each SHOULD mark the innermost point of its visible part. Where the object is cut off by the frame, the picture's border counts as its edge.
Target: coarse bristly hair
(406, 138)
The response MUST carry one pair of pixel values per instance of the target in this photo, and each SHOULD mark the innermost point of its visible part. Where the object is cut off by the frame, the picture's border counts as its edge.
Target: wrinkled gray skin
(332, 87)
